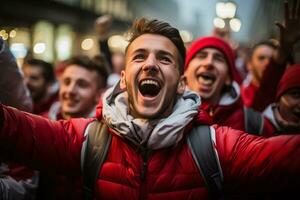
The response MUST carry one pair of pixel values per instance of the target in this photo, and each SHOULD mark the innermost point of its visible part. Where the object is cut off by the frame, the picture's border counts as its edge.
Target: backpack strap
(205, 156)
(98, 142)
(254, 121)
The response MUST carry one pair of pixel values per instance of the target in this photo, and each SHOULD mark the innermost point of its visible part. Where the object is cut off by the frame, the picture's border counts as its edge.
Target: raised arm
(289, 35)
(289, 31)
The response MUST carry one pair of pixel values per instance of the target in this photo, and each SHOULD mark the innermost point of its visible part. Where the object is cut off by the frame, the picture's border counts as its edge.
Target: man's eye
(220, 58)
(139, 57)
(201, 55)
(83, 84)
(165, 60)
(295, 94)
(66, 81)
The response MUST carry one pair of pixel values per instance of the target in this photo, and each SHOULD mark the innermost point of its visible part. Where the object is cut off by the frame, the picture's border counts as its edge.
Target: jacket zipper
(143, 176)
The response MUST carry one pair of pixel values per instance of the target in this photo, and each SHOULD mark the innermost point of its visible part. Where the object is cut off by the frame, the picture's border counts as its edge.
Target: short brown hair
(142, 26)
(98, 63)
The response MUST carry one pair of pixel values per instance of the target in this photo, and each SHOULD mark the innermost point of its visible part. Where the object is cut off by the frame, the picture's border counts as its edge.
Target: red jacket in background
(231, 113)
(57, 186)
(43, 106)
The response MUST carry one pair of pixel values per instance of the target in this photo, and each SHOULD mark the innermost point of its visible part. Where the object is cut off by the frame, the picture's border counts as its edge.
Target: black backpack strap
(254, 121)
(98, 141)
(204, 154)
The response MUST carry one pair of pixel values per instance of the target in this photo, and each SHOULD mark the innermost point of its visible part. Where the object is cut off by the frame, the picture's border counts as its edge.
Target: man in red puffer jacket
(149, 115)
(81, 85)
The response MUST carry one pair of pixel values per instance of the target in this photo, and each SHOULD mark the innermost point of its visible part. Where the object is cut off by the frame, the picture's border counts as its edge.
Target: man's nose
(71, 88)
(208, 61)
(150, 63)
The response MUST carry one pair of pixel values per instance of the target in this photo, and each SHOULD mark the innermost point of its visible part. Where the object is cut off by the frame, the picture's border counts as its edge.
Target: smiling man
(149, 116)
(81, 86)
(39, 78)
(210, 71)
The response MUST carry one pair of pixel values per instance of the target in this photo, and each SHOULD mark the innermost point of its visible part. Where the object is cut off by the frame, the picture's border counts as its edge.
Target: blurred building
(53, 30)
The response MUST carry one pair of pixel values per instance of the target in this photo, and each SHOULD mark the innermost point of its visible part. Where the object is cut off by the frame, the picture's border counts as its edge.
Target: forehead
(292, 90)
(76, 71)
(152, 42)
(263, 49)
(32, 69)
(211, 50)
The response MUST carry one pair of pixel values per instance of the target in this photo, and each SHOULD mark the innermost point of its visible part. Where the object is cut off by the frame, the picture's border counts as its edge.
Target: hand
(102, 25)
(290, 29)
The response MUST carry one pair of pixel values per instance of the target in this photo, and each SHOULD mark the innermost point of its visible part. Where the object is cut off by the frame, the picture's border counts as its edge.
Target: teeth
(150, 82)
(205, 80)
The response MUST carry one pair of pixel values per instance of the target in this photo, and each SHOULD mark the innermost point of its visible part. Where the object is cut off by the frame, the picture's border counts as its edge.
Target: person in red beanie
(210, 71)
(284, 114)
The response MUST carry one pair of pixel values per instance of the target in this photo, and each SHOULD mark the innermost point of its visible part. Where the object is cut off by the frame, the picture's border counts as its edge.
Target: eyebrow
(161, 52)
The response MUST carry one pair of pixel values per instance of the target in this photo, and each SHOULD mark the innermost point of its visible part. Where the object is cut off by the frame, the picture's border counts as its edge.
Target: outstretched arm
(40, 143)
(256, 164)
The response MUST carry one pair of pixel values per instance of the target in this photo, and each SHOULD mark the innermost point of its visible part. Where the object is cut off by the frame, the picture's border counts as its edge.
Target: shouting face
(152, 76)
(207, 73)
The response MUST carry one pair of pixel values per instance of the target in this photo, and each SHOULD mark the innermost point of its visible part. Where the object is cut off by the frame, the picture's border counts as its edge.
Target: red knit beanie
(217, 43)
(289, 80)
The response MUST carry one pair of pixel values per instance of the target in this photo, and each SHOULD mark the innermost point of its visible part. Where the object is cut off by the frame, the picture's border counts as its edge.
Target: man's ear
(122, 80)
(181, 85)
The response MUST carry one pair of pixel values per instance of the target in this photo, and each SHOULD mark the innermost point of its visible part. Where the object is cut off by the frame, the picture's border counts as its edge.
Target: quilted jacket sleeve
(255, 164)
(40, 143)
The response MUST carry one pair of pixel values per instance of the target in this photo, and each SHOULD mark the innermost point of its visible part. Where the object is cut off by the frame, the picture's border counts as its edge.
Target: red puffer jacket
(249, 163)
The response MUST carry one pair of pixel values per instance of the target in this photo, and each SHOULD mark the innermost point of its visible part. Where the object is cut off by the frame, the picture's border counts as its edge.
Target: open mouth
(206, 78)
(149, 87)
